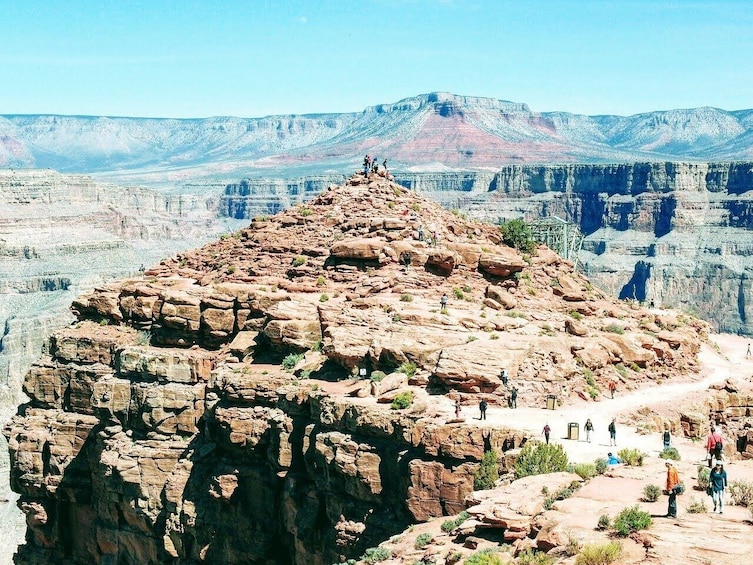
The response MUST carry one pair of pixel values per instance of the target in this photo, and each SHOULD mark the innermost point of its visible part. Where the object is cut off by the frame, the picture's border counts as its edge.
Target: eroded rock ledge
(170, 424)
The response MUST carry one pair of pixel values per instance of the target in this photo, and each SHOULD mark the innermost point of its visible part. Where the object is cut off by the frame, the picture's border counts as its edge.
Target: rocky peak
(208, 411)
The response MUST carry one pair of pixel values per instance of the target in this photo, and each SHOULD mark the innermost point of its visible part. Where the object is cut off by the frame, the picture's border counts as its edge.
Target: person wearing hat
(673, 480)
(718, 481)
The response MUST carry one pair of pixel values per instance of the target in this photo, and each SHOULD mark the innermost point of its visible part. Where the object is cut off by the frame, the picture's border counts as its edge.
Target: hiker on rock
(714, 445)
(612, 433)
(443, 301)
(482, 406)
(589, 427)
(420, 233)
(546, 432)
(748, 353)
(405, 259)
(366, 165)
(503, 376)
(384, 166)
(374, 165)
(514, 398)
(457, 409)
(666, 437)
(673, 484)
(717, 484)
(612, 387)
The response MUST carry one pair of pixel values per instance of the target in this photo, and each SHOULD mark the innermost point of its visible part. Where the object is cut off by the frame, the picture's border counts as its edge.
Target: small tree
(540, 458)
(487, 473)
(516, 233)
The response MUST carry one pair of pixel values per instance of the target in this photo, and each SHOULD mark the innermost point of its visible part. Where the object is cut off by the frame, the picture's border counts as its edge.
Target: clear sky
(197, 58)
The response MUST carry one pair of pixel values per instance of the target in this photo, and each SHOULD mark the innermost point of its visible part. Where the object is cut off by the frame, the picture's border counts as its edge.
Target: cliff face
(205, 412)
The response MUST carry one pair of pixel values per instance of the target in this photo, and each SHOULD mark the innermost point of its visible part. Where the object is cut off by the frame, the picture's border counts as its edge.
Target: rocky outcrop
(206, 412)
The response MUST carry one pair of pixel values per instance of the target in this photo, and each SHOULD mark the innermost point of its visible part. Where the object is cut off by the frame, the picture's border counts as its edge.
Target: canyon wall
(674, 234)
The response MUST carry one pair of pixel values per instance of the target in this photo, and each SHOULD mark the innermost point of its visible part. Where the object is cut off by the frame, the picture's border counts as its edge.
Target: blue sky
(186, 58)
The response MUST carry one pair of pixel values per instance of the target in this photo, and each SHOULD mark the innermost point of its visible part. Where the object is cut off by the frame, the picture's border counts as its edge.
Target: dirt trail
(717, 366)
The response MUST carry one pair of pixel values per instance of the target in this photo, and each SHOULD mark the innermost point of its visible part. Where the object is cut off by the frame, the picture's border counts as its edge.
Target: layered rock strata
(206, 412)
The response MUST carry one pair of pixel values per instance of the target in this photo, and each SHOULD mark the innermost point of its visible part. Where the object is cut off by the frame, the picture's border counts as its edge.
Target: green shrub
(306, 211)
(467, 289)
(377, 376)
(670, 453)
(599, 553)
(405, 297)
(402, 400)
(422, 540)
(539, 458)
(320, 281)
(531, 557)
(516, 233)
(231, 269)
(703, 477)
(604, 523)
(588, 374)
(615, 329)
(298, 261)
(449, 525)
(291, 361)
(621, 370)
(651, 493)
(376, 554)
(408, 368)
(323, 297)
(741, 492)
(458, 293)
(143, 337)
(485, 557)
(575, 314)
(487, 473)
(696, 506)
(548, 503)
(585, 471)
(601, 465)
(631, 456)
(444, 311)
(631, 520)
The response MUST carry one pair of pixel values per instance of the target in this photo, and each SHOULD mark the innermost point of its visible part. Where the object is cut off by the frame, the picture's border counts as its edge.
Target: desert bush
(402, 400)
(696, 506)
(405, 297)
(376, 554)
(703, 477)
(631, 456)
(485, 557)
(531, 557)
(298, 261)
(306, 211)
(599, 553)
(487, 473)
(651, 493)
(604, 523)
(320, 281)
(615, 329)
(585, 471)
(574, 544)
(670, 453)
(516, 233)
(422, 540)
(575, 314)
(291, 361)
(588, 374)
(323, 297)
(143, 337)
(741, 492)
(458, 293)
(408, 368)
(621, 370)
(631, 520)
(377, 376)
(449, 525)
(601, 465)
(539, 458)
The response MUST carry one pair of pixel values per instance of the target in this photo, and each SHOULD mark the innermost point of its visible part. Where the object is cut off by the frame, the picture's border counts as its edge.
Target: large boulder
(502, 263)
(358, 248)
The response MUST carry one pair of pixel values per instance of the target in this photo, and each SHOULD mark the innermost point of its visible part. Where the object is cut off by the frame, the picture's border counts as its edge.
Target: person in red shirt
(714, 446)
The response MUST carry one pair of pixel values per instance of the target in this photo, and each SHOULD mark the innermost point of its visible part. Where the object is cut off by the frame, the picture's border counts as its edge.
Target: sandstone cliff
(206, 412)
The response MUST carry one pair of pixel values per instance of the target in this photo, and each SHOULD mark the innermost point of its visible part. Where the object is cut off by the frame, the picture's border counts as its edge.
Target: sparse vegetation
(615, 329)
(377, 376)
(408, 368)
(458, 293)
(577, 315)
(574, 544)
(487, 473)
(585, 471)
(143, 338)
(631, 520)
(449, 525)
(323, 297)
(538, 458)
(604, 523)
(703, 477)
(621, 370)
(305, 211)
(405, 297)
(291, 361)
(516, 233)
(651, 493)
(415, 207)
(515, 314)
(422, 540)
(444, 311)
(631, 456)
(599, 554)
(402, 401)
(466, 289)
(231, 269)
(670, 453)
(696, 506)
(485, 557)
(588, 374)
(376, 554)
(494, 336)
(531, 557)
(601, 465)
(471, 338)
(593, 392)
(298, 261)
(320, 281)
(741, 492)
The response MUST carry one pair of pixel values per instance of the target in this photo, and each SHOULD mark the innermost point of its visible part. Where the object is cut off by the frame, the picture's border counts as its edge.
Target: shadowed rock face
(204, 412)
(676, 234)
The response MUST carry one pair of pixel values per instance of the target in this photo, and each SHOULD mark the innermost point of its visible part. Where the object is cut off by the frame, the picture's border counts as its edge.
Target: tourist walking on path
(482, 409)
(443, 301)
(612, 433)
(612, 387)
(514, 398)
(714, 445)
(667, 437)
(420, 233)
(673, 481)
(589, 427)
(717, 484)
(748, 353)
(503, 376)
(546, 432)
(457, 409)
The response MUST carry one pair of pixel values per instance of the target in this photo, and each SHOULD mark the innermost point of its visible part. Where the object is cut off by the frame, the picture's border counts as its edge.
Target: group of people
(432, 240)
(371, 164)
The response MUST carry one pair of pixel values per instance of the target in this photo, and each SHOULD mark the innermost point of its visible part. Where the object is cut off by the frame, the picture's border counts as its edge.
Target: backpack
(718, 446)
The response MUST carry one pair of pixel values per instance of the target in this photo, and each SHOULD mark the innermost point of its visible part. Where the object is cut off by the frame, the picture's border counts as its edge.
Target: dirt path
(717, 366)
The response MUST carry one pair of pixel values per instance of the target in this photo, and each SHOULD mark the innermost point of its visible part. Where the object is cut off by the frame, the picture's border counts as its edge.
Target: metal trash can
(573, 431)
(551, 402)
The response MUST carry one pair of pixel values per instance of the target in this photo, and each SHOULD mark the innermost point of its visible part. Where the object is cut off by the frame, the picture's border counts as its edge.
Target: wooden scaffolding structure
(561, 236)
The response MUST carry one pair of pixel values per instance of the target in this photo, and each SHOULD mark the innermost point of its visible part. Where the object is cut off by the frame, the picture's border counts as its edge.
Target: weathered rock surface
(205, 412)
